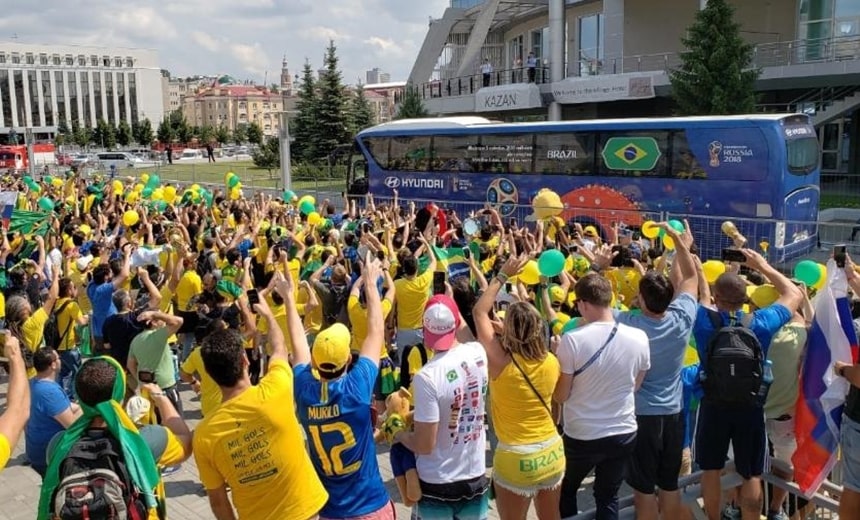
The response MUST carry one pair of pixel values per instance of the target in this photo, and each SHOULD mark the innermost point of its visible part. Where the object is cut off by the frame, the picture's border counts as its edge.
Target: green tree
(411, 105)
(104, 135)
(165, 132)
(302, 127)
(268, 156)
(64, 134)
(206, 134)
(222, 134)
(123, 134)
(255, 133)
(143, 133)
(361, 113)
(331, 125)
(716, 76)
(81, 135)
(240, 134)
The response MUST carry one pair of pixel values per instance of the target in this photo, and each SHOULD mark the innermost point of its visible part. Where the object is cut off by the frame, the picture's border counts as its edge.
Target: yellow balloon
(650, 229)
(169, 194)
(57, 182)
(309, 198)
(530, 275)
(144, 178)
(235, 194)
(228, 176)
(130, 218)
(195, 187)
(713, 269)
(132, 197)
(314, 219)
(822, 279)
(138, 188)
(157, 194)
(668, 243)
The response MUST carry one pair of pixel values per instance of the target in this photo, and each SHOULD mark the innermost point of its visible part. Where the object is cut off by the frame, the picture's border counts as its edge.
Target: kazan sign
(517, 96)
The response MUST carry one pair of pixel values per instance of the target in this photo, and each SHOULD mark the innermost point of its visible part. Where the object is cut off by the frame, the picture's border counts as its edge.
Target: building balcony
(784, 65)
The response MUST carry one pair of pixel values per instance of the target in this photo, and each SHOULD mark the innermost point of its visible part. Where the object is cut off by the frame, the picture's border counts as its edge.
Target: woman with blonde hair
(529, 460)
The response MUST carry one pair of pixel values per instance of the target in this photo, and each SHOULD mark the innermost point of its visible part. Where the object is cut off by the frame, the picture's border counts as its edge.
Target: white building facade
(42, 85)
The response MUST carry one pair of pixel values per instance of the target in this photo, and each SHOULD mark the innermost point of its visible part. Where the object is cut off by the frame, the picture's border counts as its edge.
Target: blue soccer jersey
(336, 417)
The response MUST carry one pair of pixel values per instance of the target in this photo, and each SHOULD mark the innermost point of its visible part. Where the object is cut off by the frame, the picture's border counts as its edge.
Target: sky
(242, 38)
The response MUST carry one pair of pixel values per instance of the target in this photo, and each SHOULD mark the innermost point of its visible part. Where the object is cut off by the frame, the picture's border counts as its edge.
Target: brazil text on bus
(760, 171)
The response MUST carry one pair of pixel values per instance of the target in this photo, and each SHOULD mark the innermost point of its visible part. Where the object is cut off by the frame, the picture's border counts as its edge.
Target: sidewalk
(19, 485)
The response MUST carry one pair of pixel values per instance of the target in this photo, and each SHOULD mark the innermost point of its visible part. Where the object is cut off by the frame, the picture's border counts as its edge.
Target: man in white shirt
(487, 72)
(531, 66)
(449, 438)
(602, 366)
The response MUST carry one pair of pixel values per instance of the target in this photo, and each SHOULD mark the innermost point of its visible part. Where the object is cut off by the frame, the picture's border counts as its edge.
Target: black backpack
(53, 337)
(206, 261)
(95, 483)
(735, 364)
(338, 312)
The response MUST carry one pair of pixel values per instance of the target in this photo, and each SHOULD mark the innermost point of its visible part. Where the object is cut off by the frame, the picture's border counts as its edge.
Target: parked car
(190, 154)
(82, 158)
(118, 159)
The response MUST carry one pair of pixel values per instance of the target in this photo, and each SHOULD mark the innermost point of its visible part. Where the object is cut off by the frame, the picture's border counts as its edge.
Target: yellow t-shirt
(280, 314)
(625, 282)
(313, 319)
(5, 451)
(210, 392)
(253, 444)
(358, 321)
(80, 281)
(166, 306)
(33, 333)
(66, 322)
(412, 295)
(519, 417)
(189, 286)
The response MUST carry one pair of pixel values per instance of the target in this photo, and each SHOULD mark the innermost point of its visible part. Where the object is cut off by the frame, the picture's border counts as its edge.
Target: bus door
(357, 182)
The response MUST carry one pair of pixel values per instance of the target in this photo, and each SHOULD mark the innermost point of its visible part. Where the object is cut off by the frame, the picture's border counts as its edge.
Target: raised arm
(789, 294)
(17, 412)
(483, 308)
(298, 338)
(371, 348)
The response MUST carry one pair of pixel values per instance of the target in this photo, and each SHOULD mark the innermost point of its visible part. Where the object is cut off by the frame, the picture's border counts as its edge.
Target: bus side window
(685, 165)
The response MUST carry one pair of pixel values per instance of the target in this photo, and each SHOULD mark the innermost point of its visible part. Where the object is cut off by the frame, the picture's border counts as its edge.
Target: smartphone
(146, 376)
(839, 255)
(253, 298)
(439, 282)
(734, 255)
(467, 253)
(573, 249)
(508, 288)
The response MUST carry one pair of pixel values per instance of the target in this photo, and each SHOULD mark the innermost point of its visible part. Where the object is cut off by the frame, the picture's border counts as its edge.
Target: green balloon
(207, 196)
(307, 207)
(28, 180)
(677, 225)
(233, 181)
(289, 195)
(147, 192)
(46, 204)
(551, 263)
(48, 179)
(807, 272)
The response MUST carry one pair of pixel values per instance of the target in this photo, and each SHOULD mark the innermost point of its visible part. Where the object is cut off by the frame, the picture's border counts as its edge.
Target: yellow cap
(556, 294)
(331, 351)
(590, 230)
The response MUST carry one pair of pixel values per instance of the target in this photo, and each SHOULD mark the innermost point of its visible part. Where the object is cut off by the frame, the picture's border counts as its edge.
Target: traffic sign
(631, 153)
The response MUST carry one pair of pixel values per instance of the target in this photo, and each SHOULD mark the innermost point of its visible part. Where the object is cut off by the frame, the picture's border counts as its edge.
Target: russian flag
(822, 393)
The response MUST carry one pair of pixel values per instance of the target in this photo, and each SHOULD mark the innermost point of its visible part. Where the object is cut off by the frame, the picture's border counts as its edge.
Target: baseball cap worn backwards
(441, 321)
(331, 351)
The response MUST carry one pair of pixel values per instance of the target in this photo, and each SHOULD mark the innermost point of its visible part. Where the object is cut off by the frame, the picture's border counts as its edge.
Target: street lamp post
(284, 137)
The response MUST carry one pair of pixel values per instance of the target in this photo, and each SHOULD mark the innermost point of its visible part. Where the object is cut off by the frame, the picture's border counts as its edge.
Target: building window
(515, 51)
(117, 62)
(129, 62)
(55, 59)
(105, 61)
(82, 60)
(590, 45)
(16, 58)
(2, 58)
(43, 59)
(94, 60)
(70, 60)
(31, 60)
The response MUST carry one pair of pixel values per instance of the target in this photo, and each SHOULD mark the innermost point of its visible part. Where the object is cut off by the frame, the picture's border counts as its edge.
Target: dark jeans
(70, 363)
(608, 458)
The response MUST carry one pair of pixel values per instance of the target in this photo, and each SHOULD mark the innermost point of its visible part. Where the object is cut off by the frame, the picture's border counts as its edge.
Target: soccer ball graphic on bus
(502, 194)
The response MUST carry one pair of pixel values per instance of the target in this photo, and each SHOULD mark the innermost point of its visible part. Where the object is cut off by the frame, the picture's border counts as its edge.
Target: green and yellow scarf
(137, 455)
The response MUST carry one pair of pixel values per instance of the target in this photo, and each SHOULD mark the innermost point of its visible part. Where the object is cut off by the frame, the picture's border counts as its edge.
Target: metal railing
(467, 85)
(777, 54)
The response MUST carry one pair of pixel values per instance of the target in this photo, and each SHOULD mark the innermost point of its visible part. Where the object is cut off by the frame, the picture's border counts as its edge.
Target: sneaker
(731, 513)
(170, 470)
(779, 515)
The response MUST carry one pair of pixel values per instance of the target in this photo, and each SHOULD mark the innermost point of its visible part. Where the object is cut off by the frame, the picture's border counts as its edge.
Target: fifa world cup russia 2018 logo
(714, 149)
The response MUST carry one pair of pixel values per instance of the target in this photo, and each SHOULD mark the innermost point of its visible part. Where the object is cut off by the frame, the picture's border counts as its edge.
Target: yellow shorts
(529, 468)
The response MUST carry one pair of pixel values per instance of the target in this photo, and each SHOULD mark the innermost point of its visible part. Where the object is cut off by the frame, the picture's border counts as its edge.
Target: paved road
(19, 484)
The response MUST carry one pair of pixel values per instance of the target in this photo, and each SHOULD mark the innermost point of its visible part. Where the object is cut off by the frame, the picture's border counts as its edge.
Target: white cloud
(243, 39)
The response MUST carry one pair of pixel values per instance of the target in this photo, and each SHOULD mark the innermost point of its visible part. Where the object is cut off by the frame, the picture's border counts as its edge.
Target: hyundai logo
(392, 182)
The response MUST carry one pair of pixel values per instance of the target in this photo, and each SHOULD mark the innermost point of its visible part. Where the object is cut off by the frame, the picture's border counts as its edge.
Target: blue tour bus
(760, 171)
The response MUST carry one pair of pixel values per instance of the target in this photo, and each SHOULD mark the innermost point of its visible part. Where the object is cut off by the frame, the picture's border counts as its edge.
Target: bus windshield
(802, 155)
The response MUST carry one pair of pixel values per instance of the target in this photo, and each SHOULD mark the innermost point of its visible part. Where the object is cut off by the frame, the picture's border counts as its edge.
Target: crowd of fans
(300, 326)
